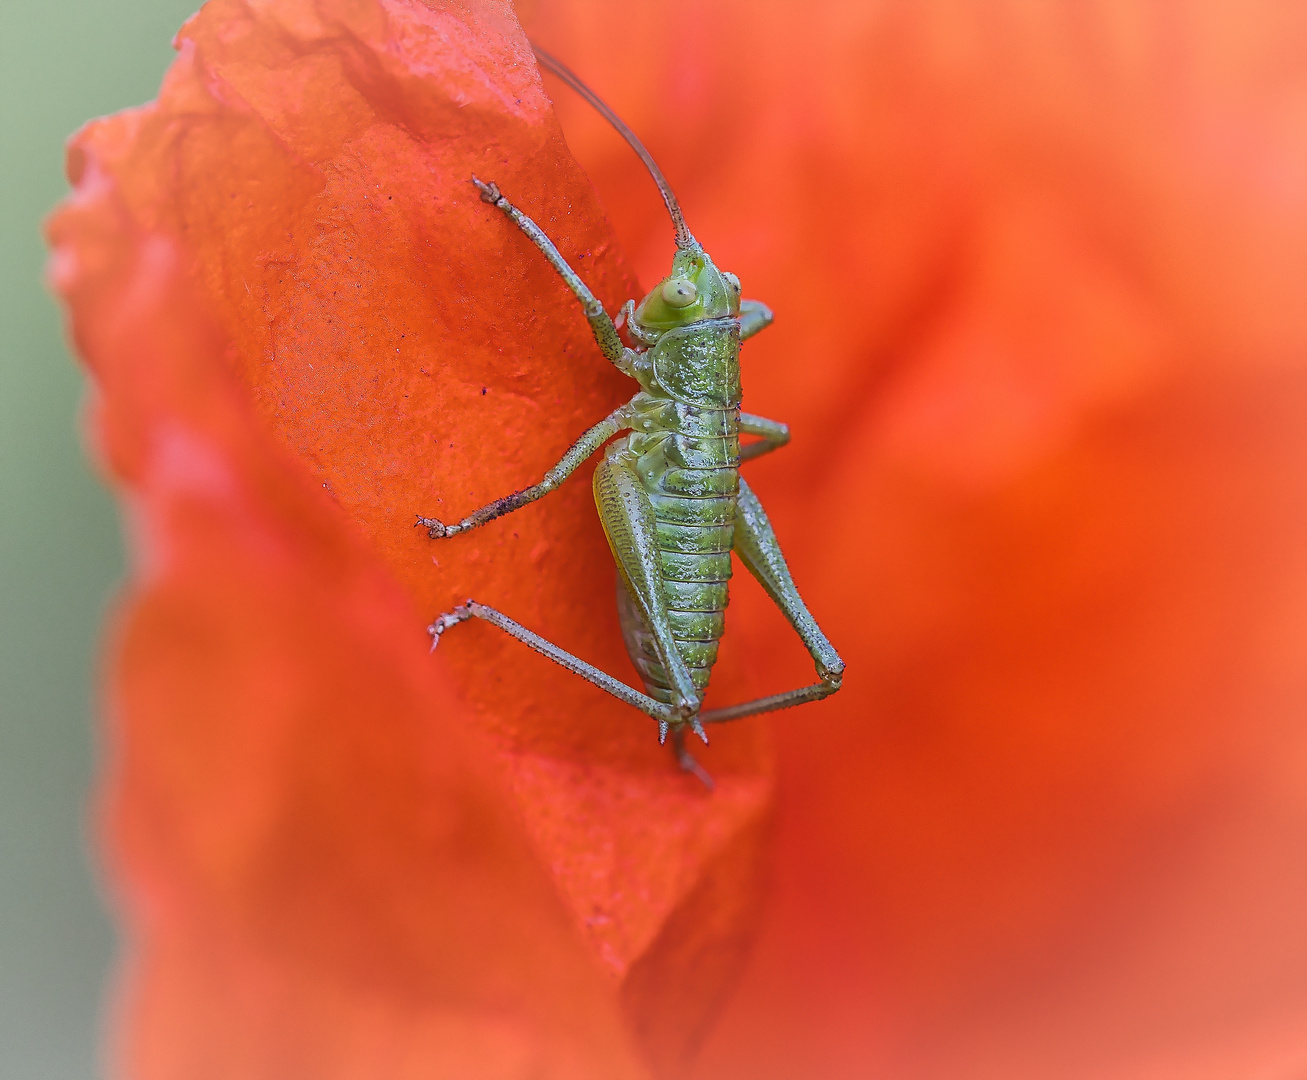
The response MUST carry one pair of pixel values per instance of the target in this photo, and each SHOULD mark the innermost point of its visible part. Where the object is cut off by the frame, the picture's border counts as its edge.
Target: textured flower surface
(1040, 339)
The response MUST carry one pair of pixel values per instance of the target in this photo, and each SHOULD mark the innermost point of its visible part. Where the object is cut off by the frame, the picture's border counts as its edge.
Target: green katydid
(669, 495)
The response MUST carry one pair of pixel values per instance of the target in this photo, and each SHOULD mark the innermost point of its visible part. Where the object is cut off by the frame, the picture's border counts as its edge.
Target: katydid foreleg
(605, 331)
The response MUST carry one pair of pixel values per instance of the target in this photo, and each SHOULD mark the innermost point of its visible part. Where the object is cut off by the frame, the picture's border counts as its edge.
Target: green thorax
(698, 365)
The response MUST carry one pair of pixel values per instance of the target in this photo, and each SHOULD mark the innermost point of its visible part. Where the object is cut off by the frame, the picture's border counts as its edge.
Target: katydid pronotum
(669, 495)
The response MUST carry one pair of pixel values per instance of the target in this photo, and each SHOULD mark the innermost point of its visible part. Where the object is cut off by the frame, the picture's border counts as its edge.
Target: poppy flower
(1041, 346)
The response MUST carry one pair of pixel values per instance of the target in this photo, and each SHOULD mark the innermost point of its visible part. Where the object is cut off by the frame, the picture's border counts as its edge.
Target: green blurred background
(61, 62)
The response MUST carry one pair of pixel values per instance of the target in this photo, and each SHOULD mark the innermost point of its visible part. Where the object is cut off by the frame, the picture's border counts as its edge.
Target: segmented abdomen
(691, 472)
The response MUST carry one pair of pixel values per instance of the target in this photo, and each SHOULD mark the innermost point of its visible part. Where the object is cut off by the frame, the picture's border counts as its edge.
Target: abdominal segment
(692, 480)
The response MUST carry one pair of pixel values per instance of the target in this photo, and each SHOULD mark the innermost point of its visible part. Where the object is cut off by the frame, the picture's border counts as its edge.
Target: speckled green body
(670, 496)
(685, 448)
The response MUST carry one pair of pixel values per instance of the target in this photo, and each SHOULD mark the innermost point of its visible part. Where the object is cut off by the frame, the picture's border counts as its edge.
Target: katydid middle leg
(583, 448)
(756, 544)
(772, 435)
(575, 457)
(628, 521)
(755, 316)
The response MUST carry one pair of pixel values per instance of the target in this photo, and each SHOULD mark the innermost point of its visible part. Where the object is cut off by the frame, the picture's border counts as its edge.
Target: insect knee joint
(832, 675)
(684, 711)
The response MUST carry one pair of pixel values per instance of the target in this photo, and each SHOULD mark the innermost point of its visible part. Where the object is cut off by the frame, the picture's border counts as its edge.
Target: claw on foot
(436, 529)
(489, 191)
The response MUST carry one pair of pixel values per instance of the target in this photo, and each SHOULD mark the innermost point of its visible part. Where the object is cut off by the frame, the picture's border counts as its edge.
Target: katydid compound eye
(679, 293)
(731, 280)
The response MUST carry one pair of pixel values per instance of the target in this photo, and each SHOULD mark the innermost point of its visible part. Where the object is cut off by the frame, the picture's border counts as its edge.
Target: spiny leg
(665, 714)
(575, 457)
(790, 698)
(642, 648)
(605, 331)
(756, 544)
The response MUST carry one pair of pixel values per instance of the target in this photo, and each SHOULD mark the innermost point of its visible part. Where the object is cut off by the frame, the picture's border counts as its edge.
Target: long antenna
(684, 240)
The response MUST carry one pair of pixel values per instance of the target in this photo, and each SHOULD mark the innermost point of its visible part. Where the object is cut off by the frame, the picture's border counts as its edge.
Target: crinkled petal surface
(320, 875)
(337, 855)
(1039, 274)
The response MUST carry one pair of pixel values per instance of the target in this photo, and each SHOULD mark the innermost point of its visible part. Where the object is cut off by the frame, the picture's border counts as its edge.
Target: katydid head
(695, 290)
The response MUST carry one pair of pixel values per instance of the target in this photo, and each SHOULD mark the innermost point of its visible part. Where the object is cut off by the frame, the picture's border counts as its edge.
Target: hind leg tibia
(758, 549)
(756, 544)
(665, 714)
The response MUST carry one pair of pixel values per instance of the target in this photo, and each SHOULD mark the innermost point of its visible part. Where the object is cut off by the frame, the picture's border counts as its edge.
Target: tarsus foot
(451, 618)
(436, 529)
(489, 191)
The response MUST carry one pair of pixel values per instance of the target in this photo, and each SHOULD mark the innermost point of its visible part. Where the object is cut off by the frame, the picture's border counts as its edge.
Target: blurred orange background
(1039, 276)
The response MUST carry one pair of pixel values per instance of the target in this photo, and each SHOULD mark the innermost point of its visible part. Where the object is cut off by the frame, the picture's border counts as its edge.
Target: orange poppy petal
(288, 789)
(319, 872)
